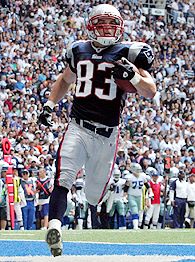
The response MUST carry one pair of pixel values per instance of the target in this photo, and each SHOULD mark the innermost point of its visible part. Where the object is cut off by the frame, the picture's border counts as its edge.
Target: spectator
(19, 200)
(178, 197)
(153, 210)
(3, 202)
(28, 211)
(190, 205)
(44, 188)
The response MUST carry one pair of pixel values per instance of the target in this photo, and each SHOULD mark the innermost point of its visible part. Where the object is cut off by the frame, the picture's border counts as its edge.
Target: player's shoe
(187, 223)
(54, 237)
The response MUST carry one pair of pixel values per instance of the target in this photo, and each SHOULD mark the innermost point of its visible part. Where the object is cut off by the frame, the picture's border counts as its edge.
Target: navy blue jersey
(97, 97)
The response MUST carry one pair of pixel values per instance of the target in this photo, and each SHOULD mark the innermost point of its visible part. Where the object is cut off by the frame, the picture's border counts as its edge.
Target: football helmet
(107, 33)
(125, 174)
(135, 168)
(116, 174)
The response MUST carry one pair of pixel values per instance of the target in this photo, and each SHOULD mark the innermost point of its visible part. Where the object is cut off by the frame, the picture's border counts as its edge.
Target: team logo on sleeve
(149, 55)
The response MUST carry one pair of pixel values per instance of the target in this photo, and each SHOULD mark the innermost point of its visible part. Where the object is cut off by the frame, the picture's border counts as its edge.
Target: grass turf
(171, 236)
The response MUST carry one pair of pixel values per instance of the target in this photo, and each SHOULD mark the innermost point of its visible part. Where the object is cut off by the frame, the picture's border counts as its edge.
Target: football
(125, 85)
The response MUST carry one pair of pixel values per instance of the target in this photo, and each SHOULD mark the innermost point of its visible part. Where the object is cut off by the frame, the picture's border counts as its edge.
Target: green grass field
(171, 236)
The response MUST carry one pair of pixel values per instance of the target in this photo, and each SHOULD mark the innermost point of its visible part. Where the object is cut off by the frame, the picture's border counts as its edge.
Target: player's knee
(135, 216)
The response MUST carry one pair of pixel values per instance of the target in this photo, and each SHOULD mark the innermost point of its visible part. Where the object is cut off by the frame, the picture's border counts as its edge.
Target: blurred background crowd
(157, 133)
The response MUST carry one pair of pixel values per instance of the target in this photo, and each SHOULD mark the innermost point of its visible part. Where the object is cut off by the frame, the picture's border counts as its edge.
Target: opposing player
(115, 198)
(135, 182)
(91, 136)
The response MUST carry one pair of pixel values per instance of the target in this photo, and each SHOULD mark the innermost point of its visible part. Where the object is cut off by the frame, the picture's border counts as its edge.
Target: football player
(115, 198)
(91, 136)
(81, 203)
(135, 182)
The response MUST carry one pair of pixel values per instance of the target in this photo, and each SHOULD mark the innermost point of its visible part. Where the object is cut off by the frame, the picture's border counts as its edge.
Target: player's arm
(142, 81)
(59, 89)
(61, 86)
(140, 56)
(146, 184)
(144, 84)
(126, 186)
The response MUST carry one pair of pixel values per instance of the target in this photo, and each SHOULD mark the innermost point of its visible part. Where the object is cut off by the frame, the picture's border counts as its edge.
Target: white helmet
(95, 25)
(126, 174)
(116, 174)
(135, 168)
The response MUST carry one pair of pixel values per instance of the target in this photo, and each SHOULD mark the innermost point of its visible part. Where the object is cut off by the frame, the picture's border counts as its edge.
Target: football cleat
(54, 238)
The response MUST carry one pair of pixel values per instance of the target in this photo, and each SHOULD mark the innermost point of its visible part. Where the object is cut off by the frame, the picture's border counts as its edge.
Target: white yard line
(17, 234)
(123, 258)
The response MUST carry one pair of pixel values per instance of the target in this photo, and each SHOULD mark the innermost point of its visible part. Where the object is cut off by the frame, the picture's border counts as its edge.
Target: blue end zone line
(40, 248)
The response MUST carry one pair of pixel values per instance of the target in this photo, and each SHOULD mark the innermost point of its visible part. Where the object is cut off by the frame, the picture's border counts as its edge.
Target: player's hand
(112, 187)
(45, 116)
(123, 70)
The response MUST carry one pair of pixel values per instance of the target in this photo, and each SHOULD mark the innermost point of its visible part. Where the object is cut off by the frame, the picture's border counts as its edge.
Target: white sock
(122, 228)
(80, 224)
(55, 223)
(135, 224)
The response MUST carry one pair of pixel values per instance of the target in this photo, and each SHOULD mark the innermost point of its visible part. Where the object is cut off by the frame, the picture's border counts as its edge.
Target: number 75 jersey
(97, 97)
(136, 184)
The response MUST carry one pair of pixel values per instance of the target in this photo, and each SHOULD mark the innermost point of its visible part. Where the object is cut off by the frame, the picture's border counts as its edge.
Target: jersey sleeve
(141, 55)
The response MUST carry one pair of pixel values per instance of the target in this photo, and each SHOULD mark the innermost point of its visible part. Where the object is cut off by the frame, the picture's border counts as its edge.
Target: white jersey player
(114, 198)
(135, 182)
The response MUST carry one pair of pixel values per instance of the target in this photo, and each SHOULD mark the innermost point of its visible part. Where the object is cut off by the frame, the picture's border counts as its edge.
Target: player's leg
(102, 152)
(121, 211)
(70, 158)
(111, 215)
(141, 216)
(133, 207)
(143, 206)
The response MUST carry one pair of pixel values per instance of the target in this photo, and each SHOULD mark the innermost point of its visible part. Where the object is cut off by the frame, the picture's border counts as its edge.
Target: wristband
(50, 104)
(135, 80)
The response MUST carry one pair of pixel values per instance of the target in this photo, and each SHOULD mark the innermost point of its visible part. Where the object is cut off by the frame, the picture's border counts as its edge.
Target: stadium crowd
(158, 134)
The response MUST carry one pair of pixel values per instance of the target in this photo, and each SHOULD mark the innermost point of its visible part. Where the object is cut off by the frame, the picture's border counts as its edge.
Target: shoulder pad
(141, 55)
